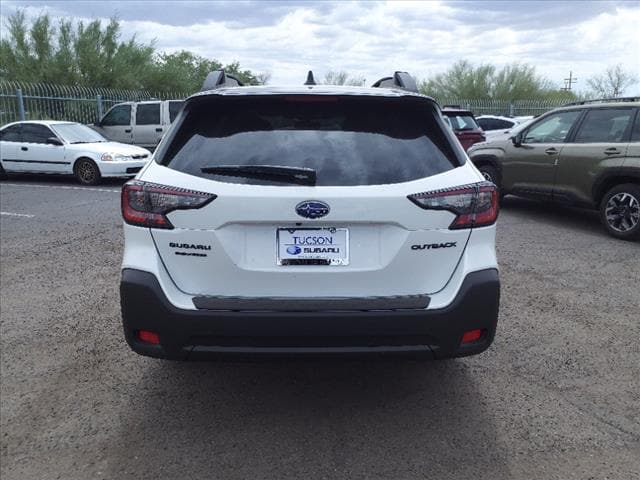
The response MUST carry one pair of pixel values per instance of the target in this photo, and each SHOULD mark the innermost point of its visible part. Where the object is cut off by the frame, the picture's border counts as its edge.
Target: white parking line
(58, 186)
(11, 214)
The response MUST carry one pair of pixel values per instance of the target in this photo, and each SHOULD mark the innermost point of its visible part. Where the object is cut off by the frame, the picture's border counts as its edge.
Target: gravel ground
(556, 397)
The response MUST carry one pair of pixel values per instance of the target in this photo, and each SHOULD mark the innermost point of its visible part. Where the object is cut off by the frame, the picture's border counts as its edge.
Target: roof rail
(399, 80)
(219, 79)
(604, 100)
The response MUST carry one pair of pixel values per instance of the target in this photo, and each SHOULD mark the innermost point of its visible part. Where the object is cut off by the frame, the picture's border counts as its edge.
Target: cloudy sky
(371, 39)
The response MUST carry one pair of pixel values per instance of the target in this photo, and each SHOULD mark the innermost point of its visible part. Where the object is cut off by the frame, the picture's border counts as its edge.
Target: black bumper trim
(309, 351)
(194, 334)
(284, 304)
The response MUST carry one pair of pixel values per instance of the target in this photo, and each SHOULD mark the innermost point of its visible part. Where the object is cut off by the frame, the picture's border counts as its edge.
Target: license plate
(312, 246)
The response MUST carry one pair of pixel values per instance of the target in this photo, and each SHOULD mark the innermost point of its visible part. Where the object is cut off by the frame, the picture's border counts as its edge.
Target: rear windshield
(462, 121)
(346, 140)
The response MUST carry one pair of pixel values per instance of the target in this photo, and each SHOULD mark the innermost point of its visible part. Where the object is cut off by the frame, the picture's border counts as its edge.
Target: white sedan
(66, 148)
(495, 126)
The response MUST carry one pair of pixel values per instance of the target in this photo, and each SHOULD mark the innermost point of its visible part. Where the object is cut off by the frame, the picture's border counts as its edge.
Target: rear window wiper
(296, 175)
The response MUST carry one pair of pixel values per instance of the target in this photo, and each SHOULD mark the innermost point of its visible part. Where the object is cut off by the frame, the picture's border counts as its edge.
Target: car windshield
(521, 126)
(462, 121)
(346, 141)
(77, 133)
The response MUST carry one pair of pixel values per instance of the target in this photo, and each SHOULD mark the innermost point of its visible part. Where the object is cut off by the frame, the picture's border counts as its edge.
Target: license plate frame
(287, 258)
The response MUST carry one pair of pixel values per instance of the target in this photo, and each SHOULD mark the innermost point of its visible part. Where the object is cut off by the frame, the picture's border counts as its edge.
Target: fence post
(99, 104)
(20, 101)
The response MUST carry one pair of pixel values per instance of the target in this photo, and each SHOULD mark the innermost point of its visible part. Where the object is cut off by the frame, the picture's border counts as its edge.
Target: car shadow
(60, 180)
(338, 419)
(573, 218)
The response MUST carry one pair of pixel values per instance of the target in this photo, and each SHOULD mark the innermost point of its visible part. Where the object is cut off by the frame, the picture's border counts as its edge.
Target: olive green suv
(584, 154)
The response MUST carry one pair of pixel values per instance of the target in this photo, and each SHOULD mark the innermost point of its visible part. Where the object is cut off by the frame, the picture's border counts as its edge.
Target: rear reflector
(146, 204)
(475, 205)
(471, 336)
(148, 337)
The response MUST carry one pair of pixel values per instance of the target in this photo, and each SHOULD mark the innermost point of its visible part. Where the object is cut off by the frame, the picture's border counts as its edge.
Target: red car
(464, 126)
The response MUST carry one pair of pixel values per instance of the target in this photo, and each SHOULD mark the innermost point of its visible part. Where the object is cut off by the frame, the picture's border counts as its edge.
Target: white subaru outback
(309, 220)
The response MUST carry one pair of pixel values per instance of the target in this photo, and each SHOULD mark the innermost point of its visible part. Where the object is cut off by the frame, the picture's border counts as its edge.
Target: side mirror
(516, 140)
(54, 141)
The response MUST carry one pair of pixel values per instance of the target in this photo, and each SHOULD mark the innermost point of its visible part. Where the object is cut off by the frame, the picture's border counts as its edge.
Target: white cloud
(374, 39)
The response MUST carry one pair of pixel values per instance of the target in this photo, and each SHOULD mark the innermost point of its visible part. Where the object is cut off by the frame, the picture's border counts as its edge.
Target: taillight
(474, 205)
(146, 204)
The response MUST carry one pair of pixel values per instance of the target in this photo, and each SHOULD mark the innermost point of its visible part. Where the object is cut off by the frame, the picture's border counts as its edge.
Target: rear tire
(490, 174)
(87, 172)
(620, 211)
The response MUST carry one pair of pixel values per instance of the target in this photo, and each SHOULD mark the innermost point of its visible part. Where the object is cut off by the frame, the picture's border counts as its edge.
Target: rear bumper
(196, 334)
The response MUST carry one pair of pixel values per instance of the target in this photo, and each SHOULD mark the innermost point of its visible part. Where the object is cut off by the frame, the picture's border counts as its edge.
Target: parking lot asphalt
(556, 396)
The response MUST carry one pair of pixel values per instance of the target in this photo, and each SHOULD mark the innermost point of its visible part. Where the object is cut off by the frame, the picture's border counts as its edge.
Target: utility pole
(568, 82)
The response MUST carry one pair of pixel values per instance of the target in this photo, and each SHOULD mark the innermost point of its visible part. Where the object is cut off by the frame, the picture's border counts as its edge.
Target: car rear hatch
(351, 231)
(470, 137)
(465, 127)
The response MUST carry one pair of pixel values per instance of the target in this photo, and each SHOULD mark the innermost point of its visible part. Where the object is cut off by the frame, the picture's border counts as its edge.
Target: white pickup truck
(138, 123)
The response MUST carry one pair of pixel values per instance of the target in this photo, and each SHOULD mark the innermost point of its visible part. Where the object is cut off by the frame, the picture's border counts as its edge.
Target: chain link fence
(39, 101)
(503, 107)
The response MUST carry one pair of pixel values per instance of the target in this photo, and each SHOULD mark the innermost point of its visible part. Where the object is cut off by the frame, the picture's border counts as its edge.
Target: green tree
(88, 54)
(93, 54)
(518, 82)
(512, 82)
(245, 76)
(179, 72)
(184, 71)
(462, 80)
(612, 83)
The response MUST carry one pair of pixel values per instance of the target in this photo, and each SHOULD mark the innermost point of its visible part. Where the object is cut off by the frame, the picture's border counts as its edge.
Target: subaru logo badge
(312, 209)
(293, 250)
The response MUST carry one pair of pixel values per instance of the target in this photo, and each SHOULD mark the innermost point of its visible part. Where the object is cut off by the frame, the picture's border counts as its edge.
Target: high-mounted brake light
(311, 99)
(146, 204)
(474, 205)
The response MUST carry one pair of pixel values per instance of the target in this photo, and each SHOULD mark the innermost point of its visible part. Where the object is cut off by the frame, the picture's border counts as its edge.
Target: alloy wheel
(622, 212)
(86, 172)
(487, 176)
